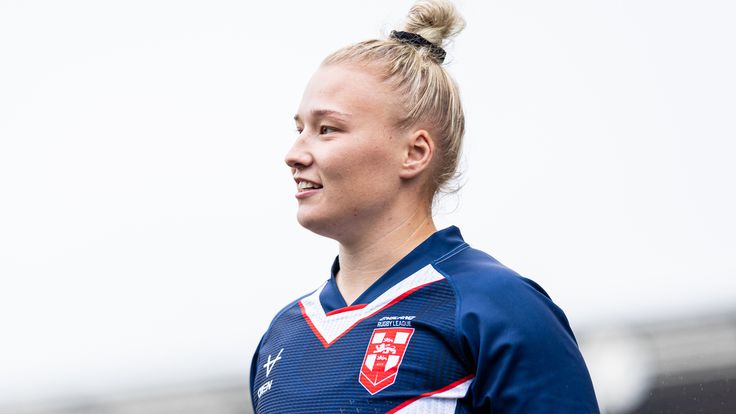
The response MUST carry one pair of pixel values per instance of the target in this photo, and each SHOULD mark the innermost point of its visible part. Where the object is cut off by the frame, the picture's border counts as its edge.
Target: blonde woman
(413, 320)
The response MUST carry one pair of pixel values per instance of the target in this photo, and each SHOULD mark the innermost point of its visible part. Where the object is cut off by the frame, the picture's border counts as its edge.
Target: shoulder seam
(451, 253)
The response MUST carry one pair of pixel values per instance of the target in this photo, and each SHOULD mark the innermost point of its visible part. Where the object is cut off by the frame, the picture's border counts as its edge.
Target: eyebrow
(319, 113)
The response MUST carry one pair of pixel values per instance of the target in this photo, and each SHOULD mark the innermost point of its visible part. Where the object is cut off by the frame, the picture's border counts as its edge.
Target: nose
(298, 156)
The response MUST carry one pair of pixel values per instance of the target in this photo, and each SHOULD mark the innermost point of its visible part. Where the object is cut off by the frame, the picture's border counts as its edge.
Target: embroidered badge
(383, 357)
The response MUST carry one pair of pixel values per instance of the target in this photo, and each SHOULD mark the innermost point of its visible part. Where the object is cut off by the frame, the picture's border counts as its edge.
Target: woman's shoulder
(476, 273)
(516, 336)
(496, 294)
(293, 306)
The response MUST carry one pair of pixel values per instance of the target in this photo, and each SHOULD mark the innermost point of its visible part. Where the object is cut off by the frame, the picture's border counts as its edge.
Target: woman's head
(390, 114)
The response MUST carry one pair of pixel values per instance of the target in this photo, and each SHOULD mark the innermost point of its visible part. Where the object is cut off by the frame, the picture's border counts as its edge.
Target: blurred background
(147, 231)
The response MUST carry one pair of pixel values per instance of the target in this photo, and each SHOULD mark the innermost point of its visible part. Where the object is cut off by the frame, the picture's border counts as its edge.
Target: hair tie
(414, 39)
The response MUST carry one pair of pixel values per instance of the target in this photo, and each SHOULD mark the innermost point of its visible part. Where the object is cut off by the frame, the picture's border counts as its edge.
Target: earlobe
(418, 155)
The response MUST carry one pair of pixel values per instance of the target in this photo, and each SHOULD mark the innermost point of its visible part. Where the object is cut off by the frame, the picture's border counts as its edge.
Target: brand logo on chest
(383, 357)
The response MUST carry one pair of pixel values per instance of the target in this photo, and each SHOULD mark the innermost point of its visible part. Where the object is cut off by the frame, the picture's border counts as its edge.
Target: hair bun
(434, 20)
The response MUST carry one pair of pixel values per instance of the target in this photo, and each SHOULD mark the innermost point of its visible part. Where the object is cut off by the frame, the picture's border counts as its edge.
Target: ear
(418, 155)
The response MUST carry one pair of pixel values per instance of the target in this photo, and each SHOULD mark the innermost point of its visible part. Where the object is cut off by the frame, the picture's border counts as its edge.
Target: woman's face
(347, 156)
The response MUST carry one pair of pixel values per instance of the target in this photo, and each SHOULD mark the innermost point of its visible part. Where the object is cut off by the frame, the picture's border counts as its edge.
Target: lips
(306, 188)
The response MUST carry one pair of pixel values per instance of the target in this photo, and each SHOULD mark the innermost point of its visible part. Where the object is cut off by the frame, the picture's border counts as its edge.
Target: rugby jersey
(448, 329)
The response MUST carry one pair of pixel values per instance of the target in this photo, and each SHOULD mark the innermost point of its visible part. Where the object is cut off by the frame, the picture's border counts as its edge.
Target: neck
(363, 261)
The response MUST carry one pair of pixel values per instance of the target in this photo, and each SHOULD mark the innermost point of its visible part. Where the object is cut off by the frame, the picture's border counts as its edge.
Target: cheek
(370, 170)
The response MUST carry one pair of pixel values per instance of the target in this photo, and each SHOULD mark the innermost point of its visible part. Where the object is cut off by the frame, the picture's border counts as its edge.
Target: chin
(324, 225)
(312, 222)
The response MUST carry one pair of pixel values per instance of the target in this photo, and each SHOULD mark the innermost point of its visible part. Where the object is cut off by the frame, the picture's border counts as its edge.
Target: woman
(413, 320)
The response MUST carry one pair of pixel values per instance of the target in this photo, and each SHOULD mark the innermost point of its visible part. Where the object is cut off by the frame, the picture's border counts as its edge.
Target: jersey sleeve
(525, 355)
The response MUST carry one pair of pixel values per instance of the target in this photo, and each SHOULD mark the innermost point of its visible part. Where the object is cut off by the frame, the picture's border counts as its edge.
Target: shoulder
(521, 343)
(291, 308)
(484, 285)
(496, 298)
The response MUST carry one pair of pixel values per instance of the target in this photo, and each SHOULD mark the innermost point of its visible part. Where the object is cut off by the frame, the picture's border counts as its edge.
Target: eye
(324, 129)
(299, 130)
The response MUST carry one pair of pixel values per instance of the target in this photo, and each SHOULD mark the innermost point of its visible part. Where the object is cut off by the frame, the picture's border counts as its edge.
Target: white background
(147, 230)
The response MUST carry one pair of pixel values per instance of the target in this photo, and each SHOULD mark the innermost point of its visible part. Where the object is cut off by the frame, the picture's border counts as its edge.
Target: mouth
(303, 185)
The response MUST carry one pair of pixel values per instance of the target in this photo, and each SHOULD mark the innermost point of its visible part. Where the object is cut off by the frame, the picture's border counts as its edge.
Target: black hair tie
(414, 39)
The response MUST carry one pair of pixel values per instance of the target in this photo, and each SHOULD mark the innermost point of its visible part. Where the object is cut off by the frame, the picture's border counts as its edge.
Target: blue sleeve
(525, 355)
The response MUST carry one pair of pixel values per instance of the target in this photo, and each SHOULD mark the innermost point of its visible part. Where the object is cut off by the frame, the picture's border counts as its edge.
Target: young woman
(413, 320)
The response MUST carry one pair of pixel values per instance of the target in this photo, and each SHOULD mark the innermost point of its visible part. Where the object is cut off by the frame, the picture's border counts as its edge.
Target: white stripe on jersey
(333, 326)
(443, 402)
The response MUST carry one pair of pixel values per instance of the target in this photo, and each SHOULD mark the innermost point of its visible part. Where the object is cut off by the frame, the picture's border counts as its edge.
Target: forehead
(347, 89)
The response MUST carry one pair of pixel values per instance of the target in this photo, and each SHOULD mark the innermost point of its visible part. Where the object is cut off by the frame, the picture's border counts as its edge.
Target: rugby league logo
(383, 357)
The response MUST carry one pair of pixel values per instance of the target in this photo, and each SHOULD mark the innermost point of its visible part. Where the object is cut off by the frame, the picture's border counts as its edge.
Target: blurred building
(672, 366)
(675, 366)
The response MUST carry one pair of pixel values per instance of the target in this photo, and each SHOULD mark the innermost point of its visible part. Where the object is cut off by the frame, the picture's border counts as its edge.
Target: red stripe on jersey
(346, 309)
(311, 325)
(388, 305)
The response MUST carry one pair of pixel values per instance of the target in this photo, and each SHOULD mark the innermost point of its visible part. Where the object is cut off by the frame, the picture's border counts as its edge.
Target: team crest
(383, 357)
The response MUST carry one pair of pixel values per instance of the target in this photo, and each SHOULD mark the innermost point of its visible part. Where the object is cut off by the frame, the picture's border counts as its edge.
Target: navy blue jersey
(448, 329)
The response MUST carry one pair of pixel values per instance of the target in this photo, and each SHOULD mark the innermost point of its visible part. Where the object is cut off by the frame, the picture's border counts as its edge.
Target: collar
(430, 250)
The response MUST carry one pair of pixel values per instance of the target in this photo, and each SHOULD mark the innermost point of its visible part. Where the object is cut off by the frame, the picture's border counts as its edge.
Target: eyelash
(321, 129)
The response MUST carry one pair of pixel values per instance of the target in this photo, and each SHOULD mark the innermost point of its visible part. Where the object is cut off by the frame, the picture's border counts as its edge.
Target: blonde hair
(428, 92)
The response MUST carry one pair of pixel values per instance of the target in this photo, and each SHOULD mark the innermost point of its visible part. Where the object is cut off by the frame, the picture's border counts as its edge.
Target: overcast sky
(147, 229)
